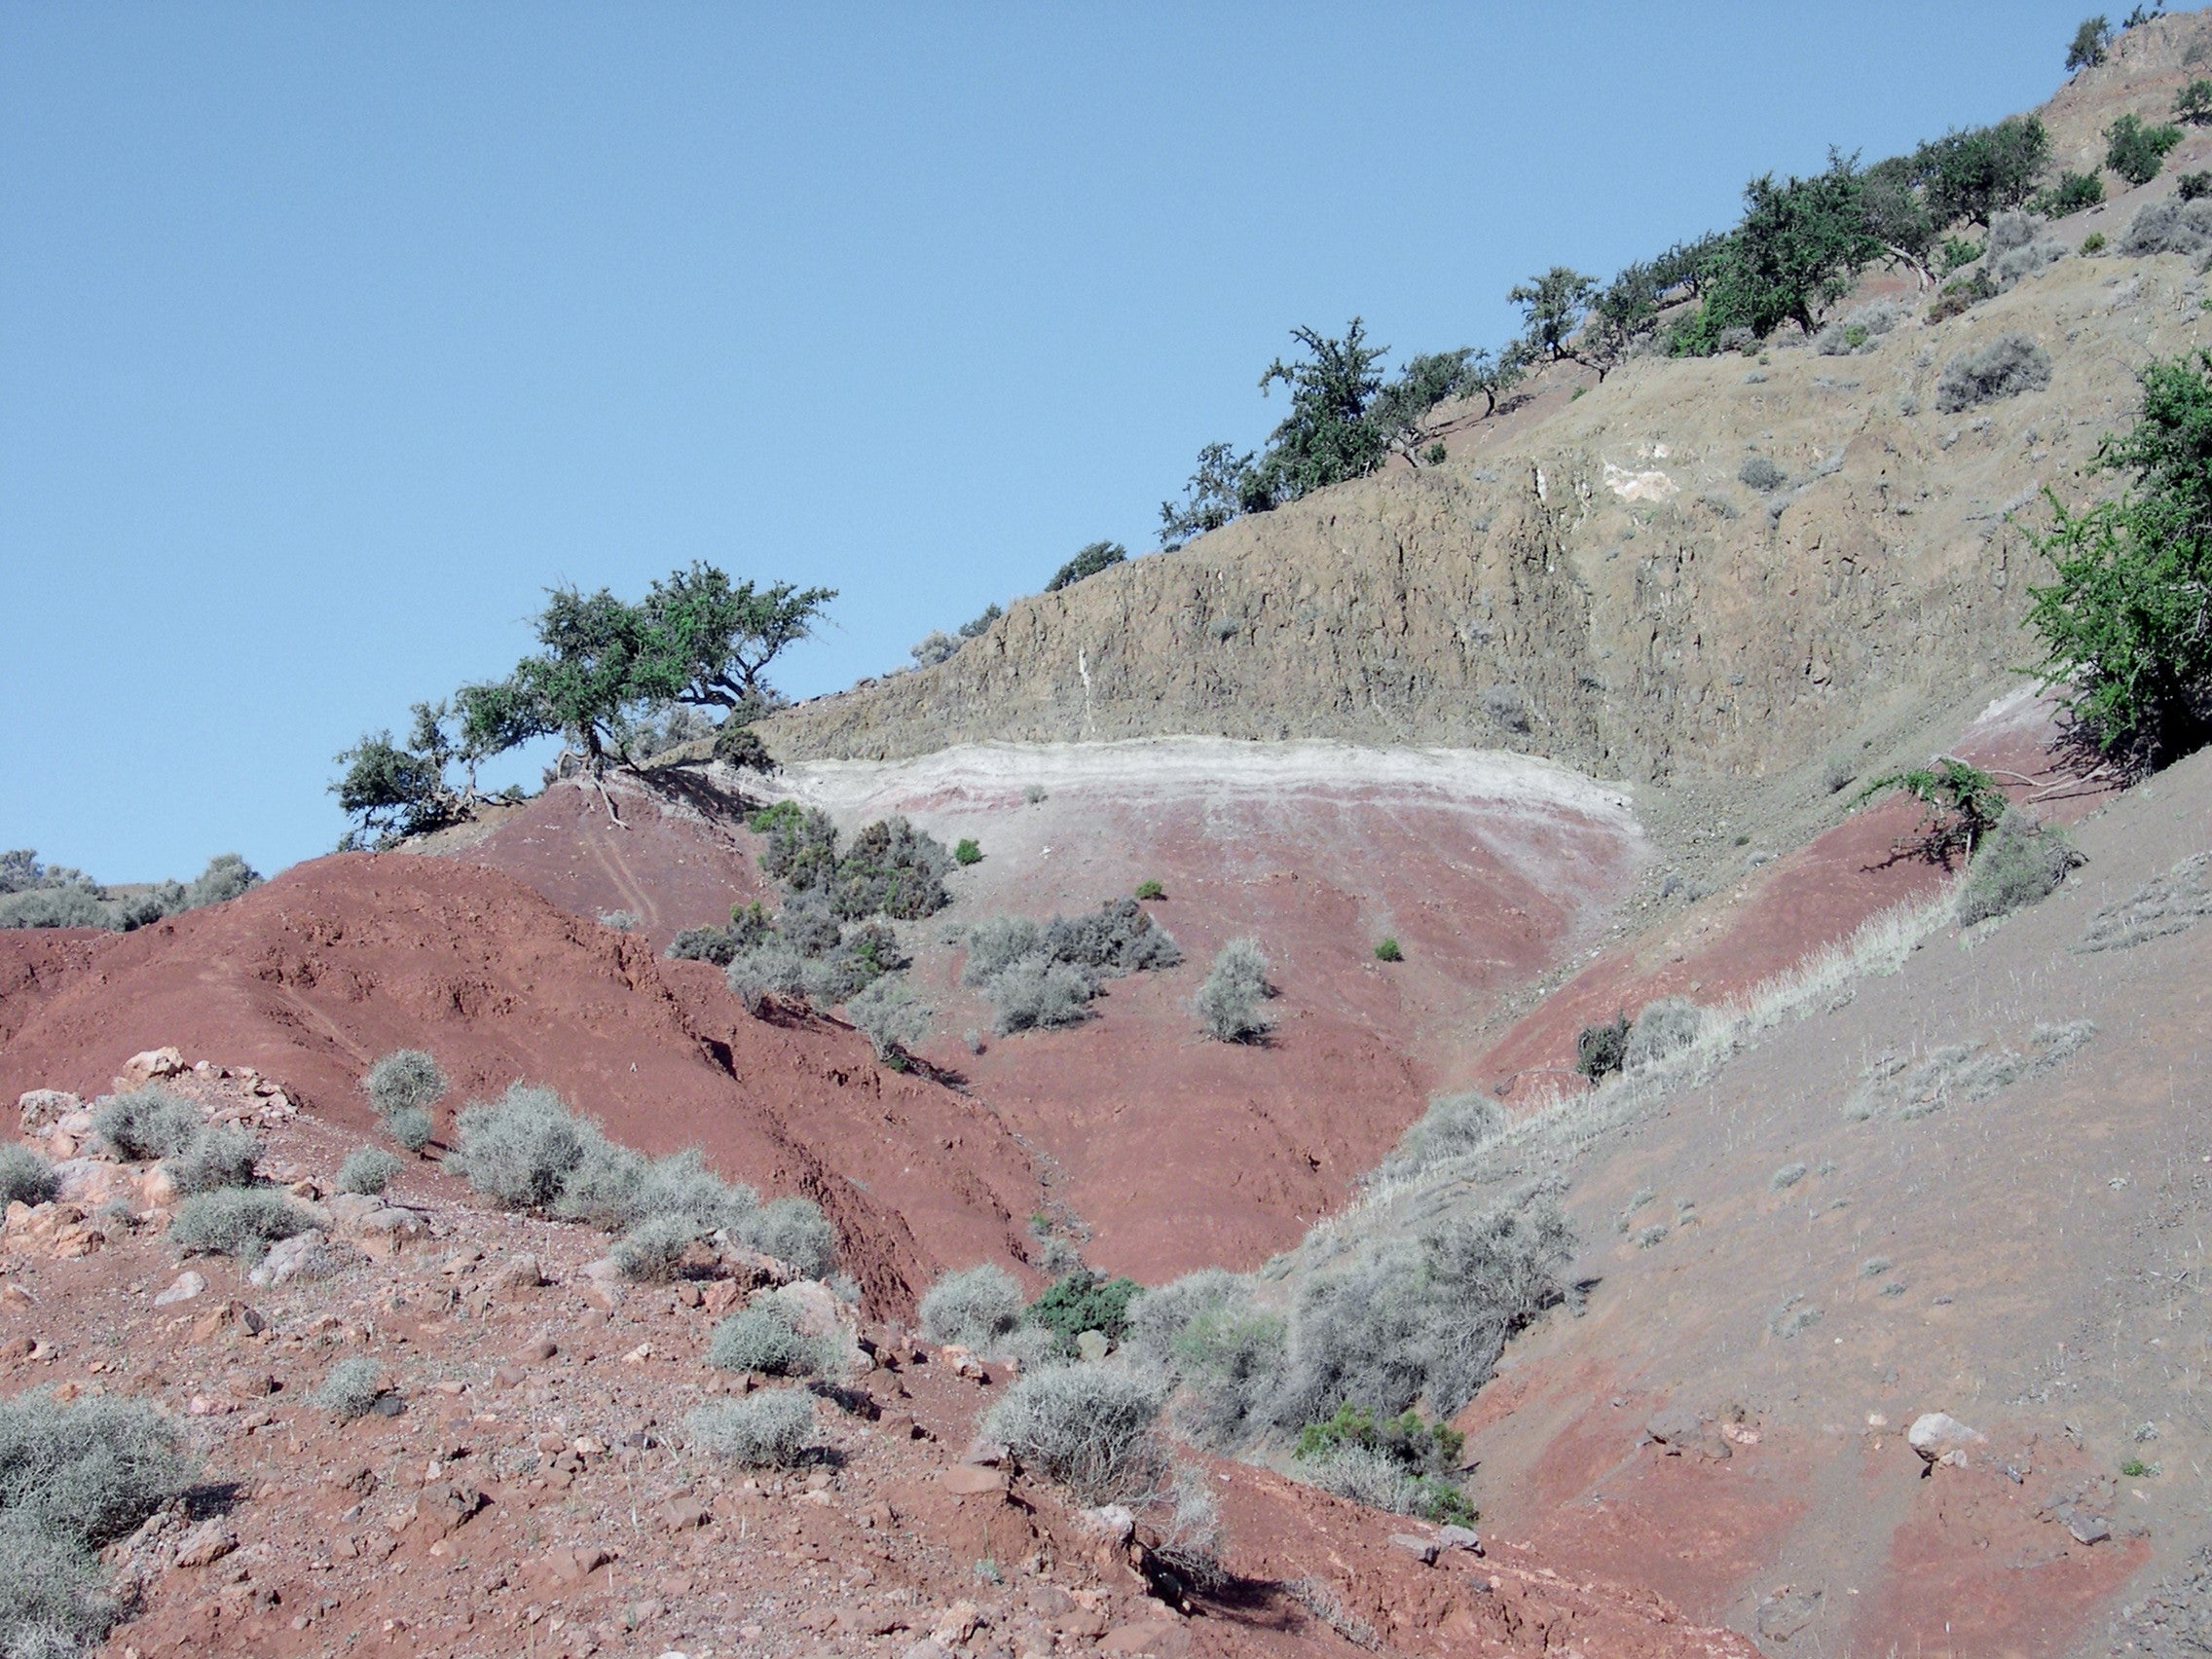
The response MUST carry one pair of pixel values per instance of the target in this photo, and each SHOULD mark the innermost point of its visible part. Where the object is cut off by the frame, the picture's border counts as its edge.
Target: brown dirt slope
(314, 975)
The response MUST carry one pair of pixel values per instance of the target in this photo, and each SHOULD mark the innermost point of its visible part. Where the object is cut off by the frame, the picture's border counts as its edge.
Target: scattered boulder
(40, 1111)
(1112, 1522)
(1422, 1549)
(151, 1065)
(1093, 1345)
(186, 1285)
(1941, 1438)
(1461, 1538)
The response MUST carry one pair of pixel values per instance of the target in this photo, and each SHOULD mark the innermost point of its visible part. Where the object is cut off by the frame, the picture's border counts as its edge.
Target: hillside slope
(312, 975)
(1971, 1175)
(1587, 578)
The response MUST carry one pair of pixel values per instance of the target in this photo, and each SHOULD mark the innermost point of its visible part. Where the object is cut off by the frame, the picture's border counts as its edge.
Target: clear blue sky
(331, 335)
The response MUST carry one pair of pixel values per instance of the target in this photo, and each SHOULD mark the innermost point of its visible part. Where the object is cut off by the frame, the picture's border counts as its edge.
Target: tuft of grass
(2134, 1469)
(1787, 1177)
(1150, 889)
(967, 852)
(1387, 951)
(1874, 1266)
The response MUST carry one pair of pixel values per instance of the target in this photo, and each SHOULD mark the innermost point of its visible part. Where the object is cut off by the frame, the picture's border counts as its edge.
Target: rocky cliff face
(1588, 577)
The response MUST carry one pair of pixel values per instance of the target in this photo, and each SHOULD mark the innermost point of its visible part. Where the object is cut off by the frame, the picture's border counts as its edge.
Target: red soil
(312, 975)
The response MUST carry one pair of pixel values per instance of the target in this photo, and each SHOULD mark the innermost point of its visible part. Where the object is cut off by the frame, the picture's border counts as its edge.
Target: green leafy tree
(1089, 561)
(1684, 267)
(707, 640)
(1894, 199)
(2126, 624)
(2087, 47)
(1801, 246)
(2193, 103)
(1223, 487)
(1329, 435)
(392, 791)
(1552, 309)
(1962, 804)
(2137, 152)
(1981, 172)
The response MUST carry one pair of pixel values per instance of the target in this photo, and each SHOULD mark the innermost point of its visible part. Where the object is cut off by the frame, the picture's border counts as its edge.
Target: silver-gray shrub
(974, 1307)
(146, 1123)
(26, 1175)
(1093, 1428)
(410, 1126)
(65, 907)
(50, 1602)
(404, 1079)
(1760, 473)
(889, 1014)
(791, 1229)
(240, 1222)
(1453, 1126)
(1190, 1529)
(90, 1470)
(1038, 994)
(2006, 367)
(1402, 1321)
(352, 1389)
(1664, 1029)
(367, 1170)
(1228, 1002)
(682, 1184)
(995, 945)
(652, 1251)
(521, 1150)
(2169, 227)
(1230, 1358)
(769, 969)
(763, 1336)
(219, 1156)
(767, 1430)
(2019, 862)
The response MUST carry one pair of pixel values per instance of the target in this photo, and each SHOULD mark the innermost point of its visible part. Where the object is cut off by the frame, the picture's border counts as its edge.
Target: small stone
(2088, 1528)
(186, 1285)
(965, 1479)
(683, 1514)
(574, 1565)
(209, 1541)
(1112, 1522)
(1422, 1549)
(985, 1453)
(536, 1348)
(1674, 1428)
(1461, 1538)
